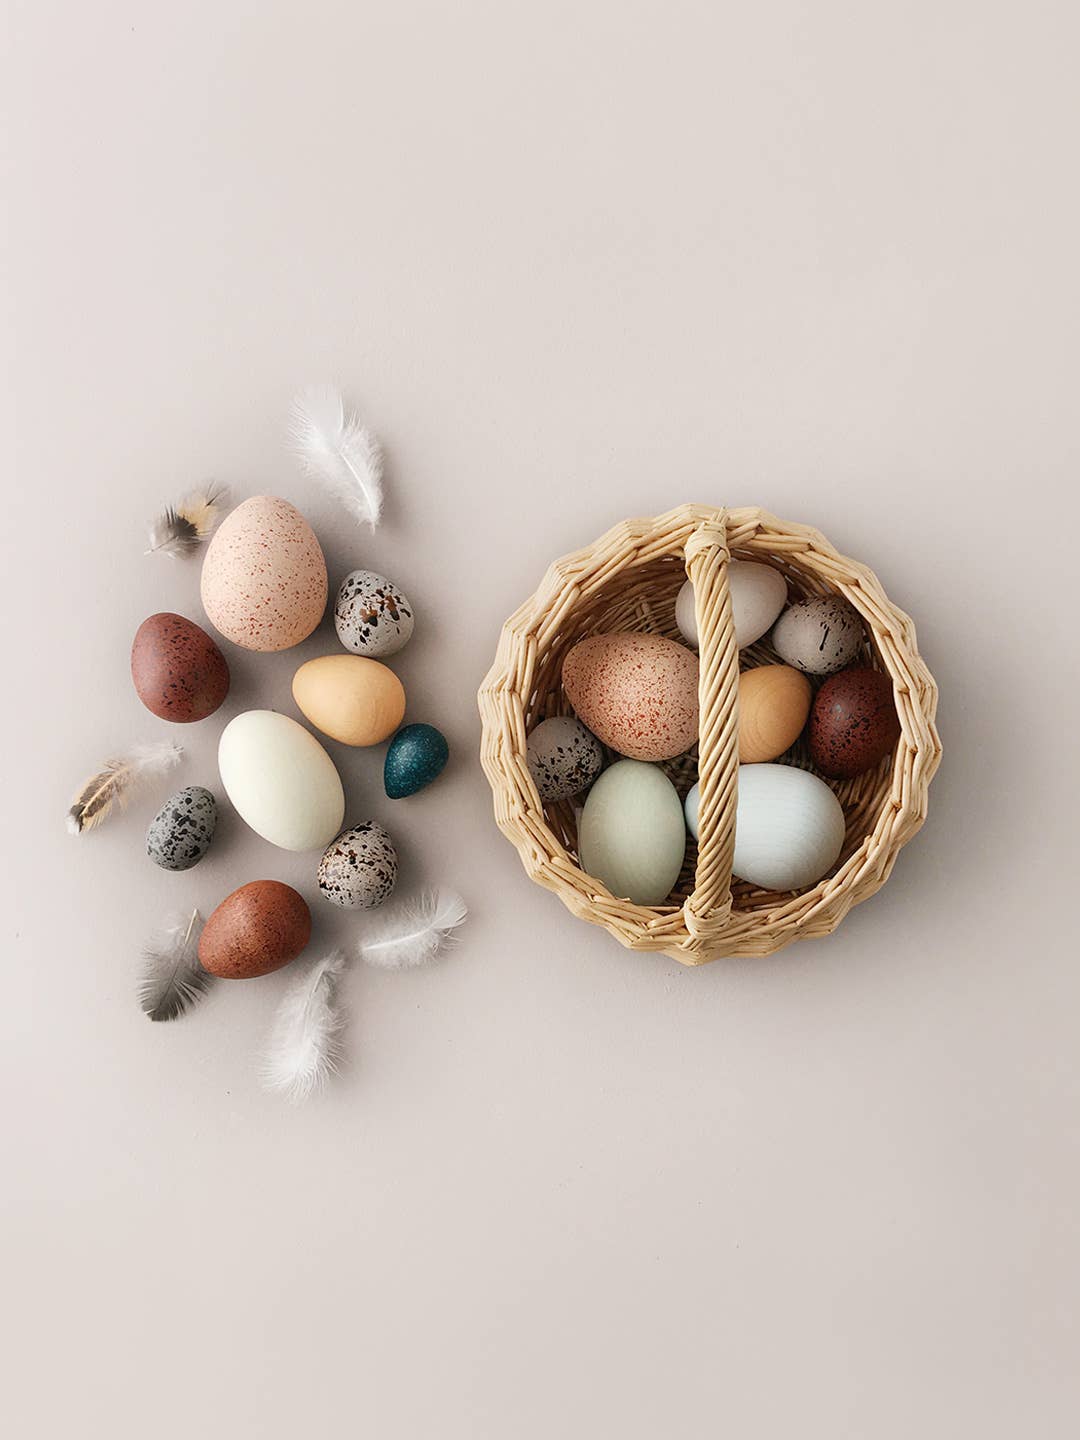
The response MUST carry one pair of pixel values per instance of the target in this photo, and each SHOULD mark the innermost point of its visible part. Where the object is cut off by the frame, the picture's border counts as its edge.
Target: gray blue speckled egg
(372, 616)
(563, 757)
(359, 869)
(180, 833)
(819, 636)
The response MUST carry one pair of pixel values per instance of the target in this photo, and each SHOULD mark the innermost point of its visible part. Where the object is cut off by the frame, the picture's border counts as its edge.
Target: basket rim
(751, 532)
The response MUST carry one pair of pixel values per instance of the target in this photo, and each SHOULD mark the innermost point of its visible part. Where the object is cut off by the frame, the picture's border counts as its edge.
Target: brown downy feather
(118, 780)
(181, 529)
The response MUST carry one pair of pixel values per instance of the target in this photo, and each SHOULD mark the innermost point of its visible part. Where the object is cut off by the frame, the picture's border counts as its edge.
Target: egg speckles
(636, 692)
(359, 869)
(180, 833)
(819, 636)
(563, 757)
(264, 577)
(371, 615)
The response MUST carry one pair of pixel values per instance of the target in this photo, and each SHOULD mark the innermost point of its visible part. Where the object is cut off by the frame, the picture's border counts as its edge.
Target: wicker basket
(628, 580)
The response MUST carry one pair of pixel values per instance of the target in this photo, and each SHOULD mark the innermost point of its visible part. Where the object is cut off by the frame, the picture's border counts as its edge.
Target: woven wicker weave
(628, 580)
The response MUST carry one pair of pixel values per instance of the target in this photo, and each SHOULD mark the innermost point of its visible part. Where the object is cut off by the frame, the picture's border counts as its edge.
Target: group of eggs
(637, 694)
(264, 587)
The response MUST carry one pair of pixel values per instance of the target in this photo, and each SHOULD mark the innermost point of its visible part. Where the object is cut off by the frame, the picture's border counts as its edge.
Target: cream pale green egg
(632, 836)
(281, 780)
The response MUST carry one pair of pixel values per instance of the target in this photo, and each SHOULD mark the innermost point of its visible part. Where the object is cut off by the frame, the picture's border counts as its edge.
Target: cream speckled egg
(819, 636)
(359, 869)
(372, 616)
(758, 594)
(563, 757)
(264, 577)
(281, 780)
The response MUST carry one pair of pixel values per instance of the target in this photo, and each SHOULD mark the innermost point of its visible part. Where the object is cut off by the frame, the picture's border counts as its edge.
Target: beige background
(576, 261)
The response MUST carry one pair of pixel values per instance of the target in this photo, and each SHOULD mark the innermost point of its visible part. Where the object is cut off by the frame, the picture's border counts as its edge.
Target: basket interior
(642, 597)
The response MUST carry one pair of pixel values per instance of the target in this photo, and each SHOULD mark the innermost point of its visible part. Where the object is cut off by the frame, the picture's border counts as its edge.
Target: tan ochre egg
(349, 698)
(774, 701)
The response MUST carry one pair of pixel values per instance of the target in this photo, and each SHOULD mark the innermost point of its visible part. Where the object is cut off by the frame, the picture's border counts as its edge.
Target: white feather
(411, 933)
(118, 780)
(305, 1043)
(339, 450)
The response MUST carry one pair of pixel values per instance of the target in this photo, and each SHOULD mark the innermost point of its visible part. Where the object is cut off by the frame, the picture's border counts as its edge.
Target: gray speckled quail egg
(180, 833)
(564, 758)
(359, 869)
(819, 636)
(372, 616)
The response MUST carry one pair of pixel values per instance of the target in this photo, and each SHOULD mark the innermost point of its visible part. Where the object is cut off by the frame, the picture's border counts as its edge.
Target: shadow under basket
(628, 580)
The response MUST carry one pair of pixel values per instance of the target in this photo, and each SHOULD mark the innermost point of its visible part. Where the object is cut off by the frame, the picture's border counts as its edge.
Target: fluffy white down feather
(305, 1044)
(339, 450)
(412, 933)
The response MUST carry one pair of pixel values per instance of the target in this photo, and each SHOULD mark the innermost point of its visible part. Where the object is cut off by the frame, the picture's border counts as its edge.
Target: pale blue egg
(632, 836)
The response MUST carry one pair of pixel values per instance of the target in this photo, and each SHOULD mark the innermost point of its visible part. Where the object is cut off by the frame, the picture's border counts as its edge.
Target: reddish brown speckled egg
(637, 693)
(264, 576)
(853, 722)
(255, 930)
(177, 670)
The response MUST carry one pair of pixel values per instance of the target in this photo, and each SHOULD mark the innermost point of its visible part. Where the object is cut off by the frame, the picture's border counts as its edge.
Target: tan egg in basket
(628, 580)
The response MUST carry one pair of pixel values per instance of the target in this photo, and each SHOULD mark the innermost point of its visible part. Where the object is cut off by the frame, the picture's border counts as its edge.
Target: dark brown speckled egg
(853, 723)
(254, 931)
(178, 672)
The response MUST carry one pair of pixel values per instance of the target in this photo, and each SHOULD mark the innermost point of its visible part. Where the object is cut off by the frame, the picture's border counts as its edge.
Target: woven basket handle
(708, 909)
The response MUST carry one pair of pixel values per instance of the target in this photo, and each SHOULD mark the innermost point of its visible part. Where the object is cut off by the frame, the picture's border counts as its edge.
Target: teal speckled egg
(632, 835)
(417, 756)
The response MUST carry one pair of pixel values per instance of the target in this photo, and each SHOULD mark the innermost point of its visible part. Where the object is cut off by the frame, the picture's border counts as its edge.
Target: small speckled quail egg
(180, 833)
(819, 636)
(359, 869)
(564, 758)
(372, 616)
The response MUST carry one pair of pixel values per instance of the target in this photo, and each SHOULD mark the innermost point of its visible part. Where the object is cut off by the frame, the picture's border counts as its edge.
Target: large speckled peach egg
(255, 930)
(637, 693)
(264, 577)
(774, 701)
(356, 701)
(178, 672)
